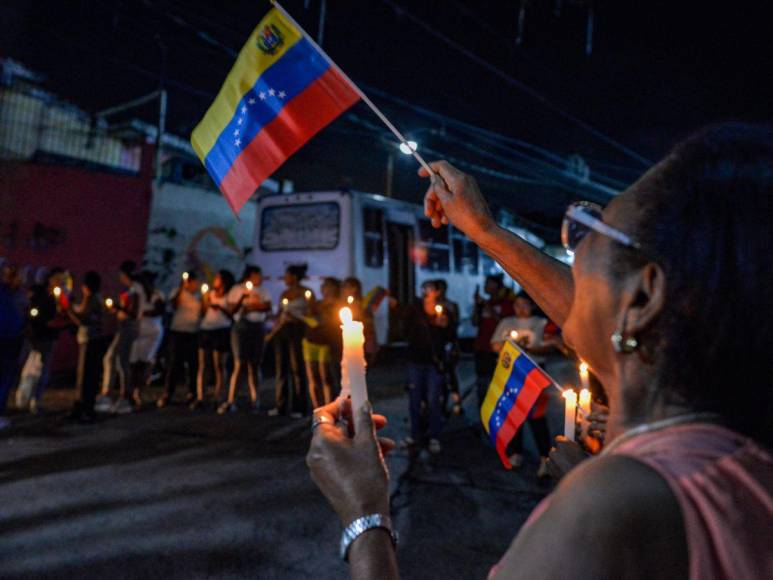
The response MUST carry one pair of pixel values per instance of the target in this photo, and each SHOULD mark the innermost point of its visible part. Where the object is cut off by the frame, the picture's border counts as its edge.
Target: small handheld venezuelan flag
(280, 92)
(518, 384)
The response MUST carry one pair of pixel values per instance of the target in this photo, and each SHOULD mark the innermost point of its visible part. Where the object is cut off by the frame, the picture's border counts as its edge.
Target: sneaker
(543, 472)
(162, 402)
(434, 446)
(273, 412)
(226, 408)
(122, 407)
(104, 404)
(516, 460)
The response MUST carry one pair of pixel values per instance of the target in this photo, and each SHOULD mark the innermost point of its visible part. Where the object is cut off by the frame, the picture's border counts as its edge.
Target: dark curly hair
(705, 215)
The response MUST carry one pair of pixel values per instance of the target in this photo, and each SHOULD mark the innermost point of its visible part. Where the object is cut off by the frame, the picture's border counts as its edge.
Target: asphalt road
(178, 494)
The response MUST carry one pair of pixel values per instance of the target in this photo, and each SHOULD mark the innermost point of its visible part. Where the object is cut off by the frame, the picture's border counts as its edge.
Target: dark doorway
(402, 273)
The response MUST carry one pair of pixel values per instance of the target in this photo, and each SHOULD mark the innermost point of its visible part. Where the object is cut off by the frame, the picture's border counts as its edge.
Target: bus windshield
(306, 226)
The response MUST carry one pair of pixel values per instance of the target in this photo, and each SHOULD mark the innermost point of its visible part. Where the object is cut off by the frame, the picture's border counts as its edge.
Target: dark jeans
(485, 365)
(183, 352)
(539, 428)
(9, 366)
(288, 353)
(425, 384)
(87, 382)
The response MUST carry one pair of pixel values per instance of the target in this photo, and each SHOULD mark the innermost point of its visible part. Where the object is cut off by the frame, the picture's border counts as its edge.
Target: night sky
(656, 73)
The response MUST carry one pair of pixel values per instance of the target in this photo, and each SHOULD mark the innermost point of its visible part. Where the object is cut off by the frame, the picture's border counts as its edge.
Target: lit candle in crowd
(57, 291)
(34, 312)
(350, 299)
(353, 360)
(514, 334)
(438, 309)
(185, 276)
(204, 288)
(584, 377)
(109, 302)
(585, 410)
(249, 285)
(285, 302)
(307, 294)
(570, 411)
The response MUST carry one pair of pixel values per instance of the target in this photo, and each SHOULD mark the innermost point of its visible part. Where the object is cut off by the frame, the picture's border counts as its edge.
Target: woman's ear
(645, 291)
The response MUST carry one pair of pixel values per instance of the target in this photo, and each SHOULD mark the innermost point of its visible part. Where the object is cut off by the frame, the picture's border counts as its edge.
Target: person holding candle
(151, 308)
(87, 316)
(322, 342)
(183, 339)
(249, 303)
(13, 305)
(529, 332)
(452, 351)
(116, 361)
(290, 381)
(683, 486)
(427, 329)
(214, 335)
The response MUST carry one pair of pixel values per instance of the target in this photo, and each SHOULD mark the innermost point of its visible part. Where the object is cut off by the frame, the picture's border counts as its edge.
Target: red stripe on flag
(533, 385)
(299, 120)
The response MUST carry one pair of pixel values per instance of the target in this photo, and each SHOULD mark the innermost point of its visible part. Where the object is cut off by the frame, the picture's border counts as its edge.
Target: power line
(533, 93)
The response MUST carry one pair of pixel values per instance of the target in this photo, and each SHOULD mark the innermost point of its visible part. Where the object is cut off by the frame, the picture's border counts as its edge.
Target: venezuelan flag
(280, 92)
(517, 384)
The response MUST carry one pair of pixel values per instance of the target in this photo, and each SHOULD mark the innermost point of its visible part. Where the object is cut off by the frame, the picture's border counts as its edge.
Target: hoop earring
(623, 345)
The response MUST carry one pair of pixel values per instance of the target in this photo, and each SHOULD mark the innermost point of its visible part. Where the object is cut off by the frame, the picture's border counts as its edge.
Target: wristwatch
(361, 525)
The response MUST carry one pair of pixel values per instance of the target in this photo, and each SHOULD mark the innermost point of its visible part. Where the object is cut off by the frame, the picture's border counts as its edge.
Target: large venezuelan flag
(280, 92)
(514, 389)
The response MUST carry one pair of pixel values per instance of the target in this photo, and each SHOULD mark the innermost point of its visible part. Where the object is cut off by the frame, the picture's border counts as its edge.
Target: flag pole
(357, 89)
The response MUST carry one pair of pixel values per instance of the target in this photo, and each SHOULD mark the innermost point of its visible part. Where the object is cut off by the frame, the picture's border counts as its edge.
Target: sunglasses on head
(581, 218)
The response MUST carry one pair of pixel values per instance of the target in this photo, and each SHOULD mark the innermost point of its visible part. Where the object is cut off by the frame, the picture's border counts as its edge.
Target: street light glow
(408, 147)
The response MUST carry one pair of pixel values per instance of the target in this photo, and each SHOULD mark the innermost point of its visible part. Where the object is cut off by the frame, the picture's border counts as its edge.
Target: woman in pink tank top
(669, 301)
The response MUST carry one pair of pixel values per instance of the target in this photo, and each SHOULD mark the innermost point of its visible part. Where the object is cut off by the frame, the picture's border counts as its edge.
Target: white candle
(584, 377)
(57, 291)
(353, 361)
(109, 302)
(249, 285)
(514, 335)
(438, 309)
(570, 411)
(285, 302)
(204, 288)
(34, 312)
(186, 276)
(307, 294)
(350, 299)
(585, 410)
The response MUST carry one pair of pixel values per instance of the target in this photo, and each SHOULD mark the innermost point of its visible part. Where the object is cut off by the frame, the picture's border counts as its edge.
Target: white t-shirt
(214, 318)
(186, 316)
(240, 290)
(532, 329)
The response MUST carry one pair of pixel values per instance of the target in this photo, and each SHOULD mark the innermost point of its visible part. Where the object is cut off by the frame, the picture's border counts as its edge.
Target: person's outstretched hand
(454, 196)
(564, 457)
(350, 470)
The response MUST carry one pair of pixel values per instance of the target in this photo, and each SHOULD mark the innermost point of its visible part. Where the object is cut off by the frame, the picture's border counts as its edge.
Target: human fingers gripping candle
(570, 411)
(353, 361)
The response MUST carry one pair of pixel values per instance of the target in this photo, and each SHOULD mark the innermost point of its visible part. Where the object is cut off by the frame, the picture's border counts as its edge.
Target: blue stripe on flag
(292, 74)
(521, 368)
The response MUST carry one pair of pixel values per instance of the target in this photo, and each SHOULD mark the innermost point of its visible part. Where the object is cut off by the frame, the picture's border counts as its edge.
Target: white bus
(382, 241)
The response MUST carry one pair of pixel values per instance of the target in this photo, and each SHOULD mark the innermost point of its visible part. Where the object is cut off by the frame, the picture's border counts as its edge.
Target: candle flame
(204, 288)
(513, 334)
(285, 302)
(307, 294)
(249, 285)
(34, 312)
(570, 394)
(438, 309)
(109, 302)
(350, 299)
(57, 291)
(583, 368)
(346, 315)
(185, 275)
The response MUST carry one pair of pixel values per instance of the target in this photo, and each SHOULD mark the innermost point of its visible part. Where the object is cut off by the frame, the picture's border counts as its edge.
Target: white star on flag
(238, 142)
(271, 92)
(262, 96)
(251, 101)
(236, 131)
(282, 94)
(240, 121)
(244, 109)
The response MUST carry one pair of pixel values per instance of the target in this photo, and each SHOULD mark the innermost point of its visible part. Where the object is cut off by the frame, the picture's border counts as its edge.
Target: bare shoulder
(613, 517)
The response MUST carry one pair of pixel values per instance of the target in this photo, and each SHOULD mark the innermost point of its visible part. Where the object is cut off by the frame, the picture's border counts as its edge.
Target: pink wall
(78, 219)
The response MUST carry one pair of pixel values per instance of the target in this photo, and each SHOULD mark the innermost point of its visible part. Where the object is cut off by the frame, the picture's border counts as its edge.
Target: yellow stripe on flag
(250, 64)
(498, 382)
